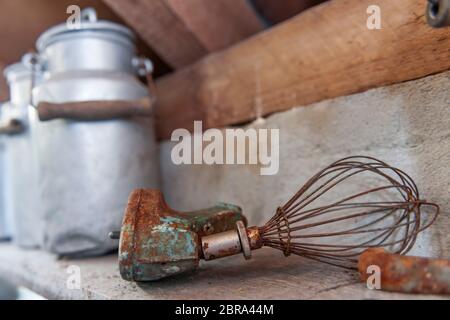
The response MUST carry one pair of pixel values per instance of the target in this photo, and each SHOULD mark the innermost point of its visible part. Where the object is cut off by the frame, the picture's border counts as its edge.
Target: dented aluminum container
(21, 163)
(88, 168)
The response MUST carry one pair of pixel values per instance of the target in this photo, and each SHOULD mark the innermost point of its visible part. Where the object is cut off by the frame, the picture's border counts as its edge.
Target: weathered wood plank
(182, 32)
(219, 23)
(161, 29)
(325, 52)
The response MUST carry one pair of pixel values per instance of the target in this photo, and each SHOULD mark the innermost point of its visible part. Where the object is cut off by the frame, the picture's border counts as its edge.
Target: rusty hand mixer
(333, 218)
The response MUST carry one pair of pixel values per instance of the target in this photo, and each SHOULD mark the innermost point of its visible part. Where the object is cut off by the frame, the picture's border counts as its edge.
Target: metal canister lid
(89, 27)
(20, 70)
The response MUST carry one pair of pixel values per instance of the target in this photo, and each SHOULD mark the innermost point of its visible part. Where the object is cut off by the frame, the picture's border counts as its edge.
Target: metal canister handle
(144, 68)
(89, 15)
(12, 127)
(438, 13)
(95, 110)
(31, 60)
(103, 110)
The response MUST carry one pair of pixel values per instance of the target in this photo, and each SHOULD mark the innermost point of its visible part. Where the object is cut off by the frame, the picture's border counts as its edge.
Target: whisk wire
(357, 221)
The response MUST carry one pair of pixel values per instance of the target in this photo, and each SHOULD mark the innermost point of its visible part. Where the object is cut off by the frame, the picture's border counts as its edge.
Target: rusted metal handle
(405, 273)
(95, 110)
(157, 242)
(12, 127)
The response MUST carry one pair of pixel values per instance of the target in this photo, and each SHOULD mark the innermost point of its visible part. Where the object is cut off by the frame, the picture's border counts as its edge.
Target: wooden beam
(276, 11)
(161, 29)
(218, 23)
(325, 52)
(182, 32)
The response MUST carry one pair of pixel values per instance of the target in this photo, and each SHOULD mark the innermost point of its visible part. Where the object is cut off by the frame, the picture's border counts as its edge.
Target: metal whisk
(335, 216)
(352, 205)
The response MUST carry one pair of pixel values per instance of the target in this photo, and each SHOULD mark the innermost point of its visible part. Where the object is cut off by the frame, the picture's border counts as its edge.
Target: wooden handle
(12, 127)
(405, 273)
(95, 110)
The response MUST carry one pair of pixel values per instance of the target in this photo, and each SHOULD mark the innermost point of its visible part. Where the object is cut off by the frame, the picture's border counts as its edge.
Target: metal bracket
(438, 13)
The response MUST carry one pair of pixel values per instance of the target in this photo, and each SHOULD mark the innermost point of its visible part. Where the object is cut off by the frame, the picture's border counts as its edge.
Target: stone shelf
(269, 275)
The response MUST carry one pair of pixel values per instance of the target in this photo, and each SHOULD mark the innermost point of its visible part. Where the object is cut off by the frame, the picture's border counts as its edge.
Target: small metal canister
(88, 168)
(21, 164)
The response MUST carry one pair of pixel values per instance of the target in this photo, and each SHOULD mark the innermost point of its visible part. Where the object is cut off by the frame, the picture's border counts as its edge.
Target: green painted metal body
(157, 242)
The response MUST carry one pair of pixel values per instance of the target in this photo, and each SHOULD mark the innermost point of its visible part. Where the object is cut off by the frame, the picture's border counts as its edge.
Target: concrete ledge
(267, 276)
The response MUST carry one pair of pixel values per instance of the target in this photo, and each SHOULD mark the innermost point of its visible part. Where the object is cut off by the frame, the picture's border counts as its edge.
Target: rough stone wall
(406, 125)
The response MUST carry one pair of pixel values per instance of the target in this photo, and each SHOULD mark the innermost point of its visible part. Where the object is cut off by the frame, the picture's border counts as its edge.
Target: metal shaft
(231, 242)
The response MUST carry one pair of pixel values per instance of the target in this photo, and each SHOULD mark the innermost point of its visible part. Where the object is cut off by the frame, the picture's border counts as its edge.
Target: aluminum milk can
(89, 165)
(21, 155)
(5, 212)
